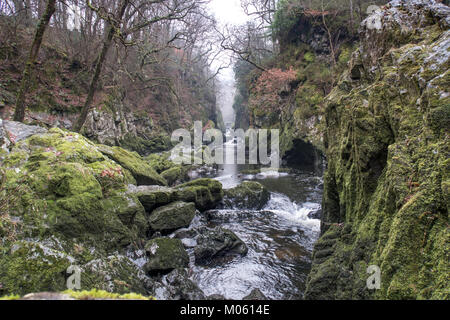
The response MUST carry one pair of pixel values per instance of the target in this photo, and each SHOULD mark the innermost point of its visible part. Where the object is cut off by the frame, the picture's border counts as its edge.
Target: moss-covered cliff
(386, 194)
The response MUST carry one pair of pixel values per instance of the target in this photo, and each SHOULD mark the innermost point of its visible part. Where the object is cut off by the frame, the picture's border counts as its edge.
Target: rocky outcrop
(386, 190)
(255, 295)
(67, 202)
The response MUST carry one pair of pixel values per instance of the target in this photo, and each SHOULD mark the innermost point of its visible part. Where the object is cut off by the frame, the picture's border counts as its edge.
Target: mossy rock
(172, 217)
(31, 267)
(152, 197)
(165, 255)
(141, 171)
(160, 161)
(205, 193)
(148, 145)
(114, 274)
(248, 195)
(174, 175)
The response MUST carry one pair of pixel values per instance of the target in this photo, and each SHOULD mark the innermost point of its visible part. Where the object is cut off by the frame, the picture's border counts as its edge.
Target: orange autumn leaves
(270, 84)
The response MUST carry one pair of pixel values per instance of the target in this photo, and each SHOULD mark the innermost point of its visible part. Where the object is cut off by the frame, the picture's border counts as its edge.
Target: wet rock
(177, 286)
(171, 217)
(255, 294)
(216, 244)
(205, 193)
(115, 273)
(152, 197)
(165, 255)
(248, 195)
(230, 215)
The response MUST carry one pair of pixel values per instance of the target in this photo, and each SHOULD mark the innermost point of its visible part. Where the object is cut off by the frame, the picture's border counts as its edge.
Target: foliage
(268, 87)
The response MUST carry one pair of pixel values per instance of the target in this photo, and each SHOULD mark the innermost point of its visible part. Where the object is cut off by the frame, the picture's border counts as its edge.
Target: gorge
(362, 104)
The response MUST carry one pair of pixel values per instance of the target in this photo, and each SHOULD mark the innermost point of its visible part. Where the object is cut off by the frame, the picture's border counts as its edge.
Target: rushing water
(280, 237)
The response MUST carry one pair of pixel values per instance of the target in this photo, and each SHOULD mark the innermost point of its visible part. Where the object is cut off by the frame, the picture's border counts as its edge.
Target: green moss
(141, 171)
(205, 193)
(387, 181)
(95, 294)
(152, 144)
(10, 297)
(174, 174)
(26, 267)
(309, 57)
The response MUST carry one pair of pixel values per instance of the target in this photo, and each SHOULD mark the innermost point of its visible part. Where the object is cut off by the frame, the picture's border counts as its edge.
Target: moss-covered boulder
(174, 175)
(171, 217)
(58, 185)
(152, 197)
(205, 193)
(248, 195)
(141, 170)
(164, 255)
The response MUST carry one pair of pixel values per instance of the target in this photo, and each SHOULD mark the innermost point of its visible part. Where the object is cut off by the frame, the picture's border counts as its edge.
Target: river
(280, 237)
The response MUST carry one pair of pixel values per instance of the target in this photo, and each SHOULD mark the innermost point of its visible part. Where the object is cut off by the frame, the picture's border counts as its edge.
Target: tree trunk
(19, 113)
(98, 68)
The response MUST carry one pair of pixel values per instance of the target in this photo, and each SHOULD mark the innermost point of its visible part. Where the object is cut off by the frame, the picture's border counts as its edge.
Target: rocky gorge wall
(386, 188)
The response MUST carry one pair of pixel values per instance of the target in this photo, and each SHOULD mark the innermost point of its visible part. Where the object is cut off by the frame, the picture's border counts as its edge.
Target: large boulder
(59, 183)
(140, 169)
(152, 197)
(215, 244)
(171, 217)
(174, 175)
(205, 193)
(165, 255)
(248, 195)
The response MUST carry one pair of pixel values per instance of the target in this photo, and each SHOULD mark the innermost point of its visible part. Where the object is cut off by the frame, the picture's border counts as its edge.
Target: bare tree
(114, 25)
(19, 113)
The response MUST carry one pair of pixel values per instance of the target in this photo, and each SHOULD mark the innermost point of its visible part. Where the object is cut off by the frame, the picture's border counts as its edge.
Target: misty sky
(228, 11)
